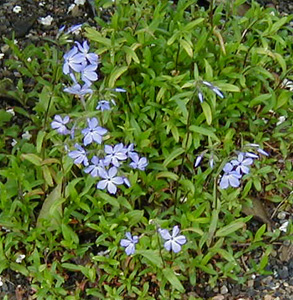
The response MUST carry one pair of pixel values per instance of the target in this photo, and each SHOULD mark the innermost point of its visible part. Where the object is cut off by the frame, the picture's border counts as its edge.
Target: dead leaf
(258, 211)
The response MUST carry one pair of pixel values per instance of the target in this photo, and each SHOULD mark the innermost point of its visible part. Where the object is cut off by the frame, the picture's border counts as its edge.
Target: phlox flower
(103, 105)
(92, 58)
(242, 163)
(129, 243)
(174, 241)
(79, 155)
(78, 90)
(230, 177)
(115, 154)
(137, 162)
(198, 160)
(89, 74)
(96, 166)
(60, 124)
(110, 180)
(93, 133)
(215, 89)
(73, 61)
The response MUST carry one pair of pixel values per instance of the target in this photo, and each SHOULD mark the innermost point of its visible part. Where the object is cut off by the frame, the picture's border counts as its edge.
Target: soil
(27, 28)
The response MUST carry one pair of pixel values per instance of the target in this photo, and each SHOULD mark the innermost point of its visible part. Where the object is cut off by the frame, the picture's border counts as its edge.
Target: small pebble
(250, 283)
(224, 290)
(218, 297)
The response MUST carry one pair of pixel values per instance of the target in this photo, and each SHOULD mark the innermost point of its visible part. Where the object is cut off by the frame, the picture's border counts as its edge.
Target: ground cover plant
(140, 145)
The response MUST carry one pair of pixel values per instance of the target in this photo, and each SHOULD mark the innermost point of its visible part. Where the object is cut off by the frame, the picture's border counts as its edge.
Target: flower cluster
(108, 163)
(173, 242)
(236, 168)
(80, 65)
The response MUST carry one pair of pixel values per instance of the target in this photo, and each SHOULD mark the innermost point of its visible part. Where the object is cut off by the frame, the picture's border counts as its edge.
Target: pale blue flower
(79, 90)
(103, 105)
(129, 243)
(60, 124)
(198, 160)
(110, 180)
(89, 74)
(74, 28)
(242, 163)
(215, 89)
(93, 133)
(263, 152)
(126, 182)
(73, 61)
(96, 166)
(230, 177)
(92, 58)
(174, 241)
(115, 154)
(119, 90)
(137, 162)
(79, 155)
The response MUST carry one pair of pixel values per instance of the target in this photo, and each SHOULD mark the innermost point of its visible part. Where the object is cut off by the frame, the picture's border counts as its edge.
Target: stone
(224, 290)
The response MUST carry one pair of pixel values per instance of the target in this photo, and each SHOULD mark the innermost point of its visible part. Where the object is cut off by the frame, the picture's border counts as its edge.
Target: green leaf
(134, 217)
(187, 47)
(227, 87)
(151, 255)
(109, 199)
(207, 112)
(40, 138)
(172, 156)
(52, 216)
(192, 24)
(259, 233)
(130, 55)
(228, 229)
(33, 158)
(262, 99)
(47, 175)
(69, 234)
(167, 174)
(172, 278)
(116, 73)
(4, 116)
(94, 35)
(203, 131)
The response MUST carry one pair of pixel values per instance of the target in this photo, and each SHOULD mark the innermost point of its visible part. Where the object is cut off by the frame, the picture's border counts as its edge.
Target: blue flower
(242, 164)
(263, 152)
(215, 89)
(103, 105)
(92, 58)
(79, 90)
(110, 180)
(114, 155)
(93, 132)
(74, 28)
(79, 155)
(129, 243)
(89, 74)
(198, 160)
(230, 177)
(138, 163)
(119, 90)
(174, 241)
(60, 124)
(96, 167)
(200, 97)
(73, 61)
(126, 182)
